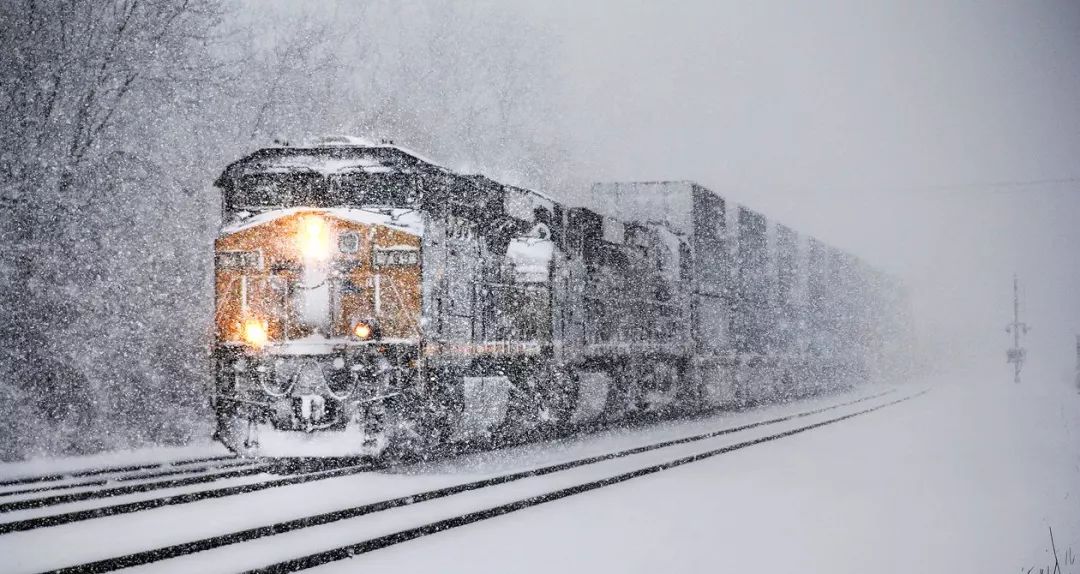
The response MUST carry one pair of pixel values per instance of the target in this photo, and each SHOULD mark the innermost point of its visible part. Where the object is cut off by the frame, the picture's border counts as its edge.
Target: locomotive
(370, 301)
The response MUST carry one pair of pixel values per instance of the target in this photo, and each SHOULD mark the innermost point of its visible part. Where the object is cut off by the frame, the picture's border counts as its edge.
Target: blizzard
(706, 286)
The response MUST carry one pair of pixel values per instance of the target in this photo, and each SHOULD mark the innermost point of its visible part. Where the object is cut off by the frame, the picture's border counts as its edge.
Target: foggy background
(917, 135)
(936, 140)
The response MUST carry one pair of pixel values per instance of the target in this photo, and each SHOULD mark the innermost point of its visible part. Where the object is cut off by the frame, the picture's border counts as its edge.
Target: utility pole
(1017, 353)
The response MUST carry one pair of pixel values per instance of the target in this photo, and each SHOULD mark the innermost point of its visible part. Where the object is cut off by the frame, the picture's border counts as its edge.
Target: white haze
(893, 130)
(917, 135)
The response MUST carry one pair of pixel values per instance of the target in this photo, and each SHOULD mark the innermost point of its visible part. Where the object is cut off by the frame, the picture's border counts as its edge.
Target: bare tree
(70, 66)
(71, 74)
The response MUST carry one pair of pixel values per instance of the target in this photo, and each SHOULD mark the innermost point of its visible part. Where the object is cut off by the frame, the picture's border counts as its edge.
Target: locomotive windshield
(302, 188)
(320, 177)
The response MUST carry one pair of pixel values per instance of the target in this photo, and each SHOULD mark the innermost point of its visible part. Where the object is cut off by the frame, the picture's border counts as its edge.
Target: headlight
(313, 238)
(363, 331)
(254, 333)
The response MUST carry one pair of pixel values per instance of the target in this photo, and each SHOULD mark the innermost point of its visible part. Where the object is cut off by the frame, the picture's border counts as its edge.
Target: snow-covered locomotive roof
(330, 159)
(348, 172)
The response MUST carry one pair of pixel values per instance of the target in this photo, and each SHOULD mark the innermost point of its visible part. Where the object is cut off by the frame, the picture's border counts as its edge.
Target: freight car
(369, 299)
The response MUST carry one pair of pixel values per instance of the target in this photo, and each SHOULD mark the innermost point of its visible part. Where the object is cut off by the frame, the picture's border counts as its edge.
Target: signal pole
(1017, 353)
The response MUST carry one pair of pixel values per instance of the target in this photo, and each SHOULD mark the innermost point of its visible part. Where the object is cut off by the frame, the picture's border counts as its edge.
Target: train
(370, 302)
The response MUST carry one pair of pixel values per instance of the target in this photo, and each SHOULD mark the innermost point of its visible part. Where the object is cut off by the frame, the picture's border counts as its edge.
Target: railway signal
(1016, 354)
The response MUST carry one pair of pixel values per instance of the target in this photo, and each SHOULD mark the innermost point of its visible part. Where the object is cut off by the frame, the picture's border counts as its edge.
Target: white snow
(324, 165)
(522, 203)
(668, 202)
(356, 141)
(340, 141)
(968, 478)
(275, 443)
(531, 258)
(115, 535)
(149, 455)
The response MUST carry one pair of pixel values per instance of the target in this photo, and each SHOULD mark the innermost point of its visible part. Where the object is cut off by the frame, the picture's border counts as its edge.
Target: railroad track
(170, 500)
(132, 477)
(108, 470)
(267, 532)
(465, 519)
(254, 467)
(55, 499)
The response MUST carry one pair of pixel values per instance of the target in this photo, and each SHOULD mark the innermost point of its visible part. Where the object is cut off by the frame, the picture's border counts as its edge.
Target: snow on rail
(158, 455)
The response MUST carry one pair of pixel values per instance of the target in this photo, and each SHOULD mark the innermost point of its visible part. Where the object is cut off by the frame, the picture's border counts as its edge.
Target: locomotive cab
(318, 301)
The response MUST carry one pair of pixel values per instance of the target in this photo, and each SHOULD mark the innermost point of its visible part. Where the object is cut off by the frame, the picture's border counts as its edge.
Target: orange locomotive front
(317, 311)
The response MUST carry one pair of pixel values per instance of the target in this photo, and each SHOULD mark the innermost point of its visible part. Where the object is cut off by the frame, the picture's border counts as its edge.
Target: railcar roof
(330, 160)
(350, 155)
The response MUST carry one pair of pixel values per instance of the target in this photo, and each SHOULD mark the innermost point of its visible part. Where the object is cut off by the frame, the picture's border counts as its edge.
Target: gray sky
(869, 124)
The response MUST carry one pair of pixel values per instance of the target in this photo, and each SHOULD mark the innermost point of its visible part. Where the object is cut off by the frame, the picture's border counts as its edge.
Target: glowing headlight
(313, 239)
(362, 331)
(254, 333)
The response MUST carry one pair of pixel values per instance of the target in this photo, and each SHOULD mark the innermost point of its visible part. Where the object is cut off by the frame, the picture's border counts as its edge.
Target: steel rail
(106, 470)
(130, 478)
(55, 499)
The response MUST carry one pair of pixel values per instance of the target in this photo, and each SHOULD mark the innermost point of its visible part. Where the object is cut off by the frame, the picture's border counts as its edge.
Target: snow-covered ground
(966, 478)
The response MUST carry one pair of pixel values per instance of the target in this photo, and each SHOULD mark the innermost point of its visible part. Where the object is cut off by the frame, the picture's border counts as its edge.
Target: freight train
(370, 301)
